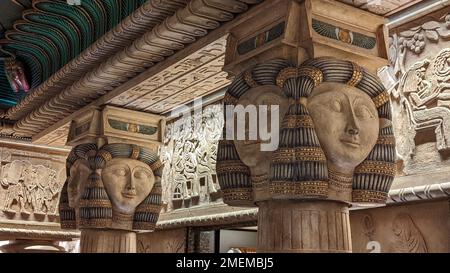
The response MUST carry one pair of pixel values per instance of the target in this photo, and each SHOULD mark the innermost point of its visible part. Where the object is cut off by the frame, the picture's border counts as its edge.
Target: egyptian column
(312, 65)
(113, 186)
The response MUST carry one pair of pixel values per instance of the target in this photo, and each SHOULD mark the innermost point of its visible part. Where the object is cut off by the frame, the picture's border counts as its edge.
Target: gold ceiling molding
(146, 17)
(171, 35)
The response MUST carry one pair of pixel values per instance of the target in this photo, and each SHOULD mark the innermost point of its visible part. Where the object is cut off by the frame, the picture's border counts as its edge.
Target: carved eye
(336, 106)
(363, 112)
(120, 172)
(141, 174)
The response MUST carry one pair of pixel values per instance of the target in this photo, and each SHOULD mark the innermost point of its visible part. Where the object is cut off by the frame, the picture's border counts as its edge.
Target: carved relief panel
(418, 228)
(164, 241)
(418, 82)
(30, 183)
(189, 157)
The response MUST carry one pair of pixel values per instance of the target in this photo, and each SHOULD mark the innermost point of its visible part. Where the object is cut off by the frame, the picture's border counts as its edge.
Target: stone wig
(66, 213)
(95, 205)
(298, 168)
(147, 213)
(233, 175)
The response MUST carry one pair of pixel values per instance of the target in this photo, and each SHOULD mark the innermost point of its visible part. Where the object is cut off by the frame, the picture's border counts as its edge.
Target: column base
(303, 226)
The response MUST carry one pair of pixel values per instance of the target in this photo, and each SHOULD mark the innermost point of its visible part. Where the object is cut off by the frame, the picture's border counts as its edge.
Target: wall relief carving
(30, 182)
(407, 228)
(421, 103)
(189, 158)
(29, 188)
(417, 80)
(408, 238)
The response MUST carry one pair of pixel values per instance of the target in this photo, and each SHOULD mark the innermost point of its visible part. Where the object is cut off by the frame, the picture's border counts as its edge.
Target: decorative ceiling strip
(184, 27)
(194, 76)
(134, 26)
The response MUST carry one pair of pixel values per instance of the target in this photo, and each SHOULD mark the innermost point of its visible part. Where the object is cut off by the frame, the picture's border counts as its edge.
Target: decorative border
(343, 35)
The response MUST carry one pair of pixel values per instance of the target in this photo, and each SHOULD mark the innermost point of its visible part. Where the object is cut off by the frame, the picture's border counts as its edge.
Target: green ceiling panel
(52, 33)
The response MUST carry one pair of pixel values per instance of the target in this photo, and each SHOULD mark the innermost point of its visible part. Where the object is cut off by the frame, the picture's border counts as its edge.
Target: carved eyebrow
(119, 165)
(357, 99)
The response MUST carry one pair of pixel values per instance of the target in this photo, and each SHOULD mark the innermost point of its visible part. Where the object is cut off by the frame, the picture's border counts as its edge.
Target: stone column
(107, 241)
(315, 60)
(298, 226)
(113, 185)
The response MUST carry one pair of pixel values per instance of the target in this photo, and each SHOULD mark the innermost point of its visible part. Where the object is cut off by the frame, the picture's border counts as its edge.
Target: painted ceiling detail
(173, 34)
(146, 17)
(67, 72)
(52, 33)
(194, 76)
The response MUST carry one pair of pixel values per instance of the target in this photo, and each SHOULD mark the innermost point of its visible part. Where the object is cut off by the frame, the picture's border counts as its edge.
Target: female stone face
(346, 123)
(127, 182)
(79, 173)
(249, 150)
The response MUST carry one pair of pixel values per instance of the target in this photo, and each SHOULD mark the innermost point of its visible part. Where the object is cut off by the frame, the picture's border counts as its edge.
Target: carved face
(249, 150)
(127, 182)
(79, 173)
(346, 122)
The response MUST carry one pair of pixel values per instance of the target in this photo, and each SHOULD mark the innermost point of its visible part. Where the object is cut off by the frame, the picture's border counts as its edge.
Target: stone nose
(352, 131)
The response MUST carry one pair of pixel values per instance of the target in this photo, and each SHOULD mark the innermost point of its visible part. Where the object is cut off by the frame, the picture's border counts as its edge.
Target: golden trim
(149, 208)
(340, 180)
(237, 194)
(366, 196)
(386, 140)
(248, 78)
(229, 99)
(376, 167)
(381, 99)
(226, 166)
(134, 152)
(356, 76)
(293, 72)
(299, 154)
(291, 121)
(300, 188)
(105, 155)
